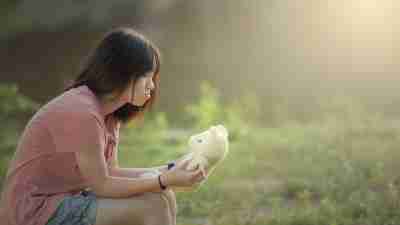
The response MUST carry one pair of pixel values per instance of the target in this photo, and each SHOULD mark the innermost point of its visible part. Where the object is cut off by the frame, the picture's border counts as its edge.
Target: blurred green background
(307, 89)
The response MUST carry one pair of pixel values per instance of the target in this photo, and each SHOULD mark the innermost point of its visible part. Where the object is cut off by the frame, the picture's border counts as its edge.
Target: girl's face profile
(142, 90)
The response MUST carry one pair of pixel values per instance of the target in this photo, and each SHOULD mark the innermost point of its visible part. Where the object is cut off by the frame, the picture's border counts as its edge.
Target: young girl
(65, 169)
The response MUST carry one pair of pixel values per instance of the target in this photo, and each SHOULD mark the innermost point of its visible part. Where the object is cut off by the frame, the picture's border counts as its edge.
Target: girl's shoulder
(74, 104)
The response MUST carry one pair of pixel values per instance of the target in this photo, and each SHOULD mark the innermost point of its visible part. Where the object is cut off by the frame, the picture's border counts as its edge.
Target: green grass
(328, 172)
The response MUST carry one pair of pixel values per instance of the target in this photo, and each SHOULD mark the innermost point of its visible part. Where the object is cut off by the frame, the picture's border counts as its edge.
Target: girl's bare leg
(170, 196)
(150, 208)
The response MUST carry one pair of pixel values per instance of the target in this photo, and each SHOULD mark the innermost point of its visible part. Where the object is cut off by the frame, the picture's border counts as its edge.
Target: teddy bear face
(208, 137)
(205, 151)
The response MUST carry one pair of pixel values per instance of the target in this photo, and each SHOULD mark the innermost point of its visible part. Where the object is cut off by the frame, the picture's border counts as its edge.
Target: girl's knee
(158, 209)
(169, 194)
(157, 201)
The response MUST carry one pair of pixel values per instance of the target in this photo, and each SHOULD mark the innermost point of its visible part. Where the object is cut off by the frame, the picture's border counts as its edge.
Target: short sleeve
(76, 130)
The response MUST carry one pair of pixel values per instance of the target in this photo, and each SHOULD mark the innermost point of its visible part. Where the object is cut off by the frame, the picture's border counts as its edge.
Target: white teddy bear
(205, 150)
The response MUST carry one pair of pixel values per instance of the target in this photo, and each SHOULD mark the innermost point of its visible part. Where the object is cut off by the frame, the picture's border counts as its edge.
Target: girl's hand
(188, 156)
(183, 158)
(178, 176)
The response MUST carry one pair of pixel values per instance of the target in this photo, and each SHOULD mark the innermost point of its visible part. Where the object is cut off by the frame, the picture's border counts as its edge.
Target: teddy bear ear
(221, 130)
(213, 130)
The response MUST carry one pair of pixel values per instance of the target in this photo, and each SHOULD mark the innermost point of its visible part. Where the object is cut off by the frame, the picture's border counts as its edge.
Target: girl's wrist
(166, 178)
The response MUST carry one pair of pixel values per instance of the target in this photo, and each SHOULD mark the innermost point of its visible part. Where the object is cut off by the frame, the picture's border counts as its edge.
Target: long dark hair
(122, 56)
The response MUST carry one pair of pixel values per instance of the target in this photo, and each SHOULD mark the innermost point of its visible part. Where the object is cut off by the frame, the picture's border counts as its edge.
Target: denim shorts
(78, 209)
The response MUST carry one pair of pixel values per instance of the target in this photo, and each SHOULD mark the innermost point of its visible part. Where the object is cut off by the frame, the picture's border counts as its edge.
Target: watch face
(170, 165)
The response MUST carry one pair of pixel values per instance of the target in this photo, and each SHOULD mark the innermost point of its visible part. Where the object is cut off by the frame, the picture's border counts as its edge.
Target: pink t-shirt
(44, 168)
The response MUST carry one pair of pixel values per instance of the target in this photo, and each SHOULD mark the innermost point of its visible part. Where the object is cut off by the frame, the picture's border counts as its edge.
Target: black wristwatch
(170, 165)
(163, 187)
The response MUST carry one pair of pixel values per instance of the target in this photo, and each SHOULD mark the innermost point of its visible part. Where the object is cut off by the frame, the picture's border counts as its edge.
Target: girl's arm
(115, 170)
(135, 172)
(94, 168)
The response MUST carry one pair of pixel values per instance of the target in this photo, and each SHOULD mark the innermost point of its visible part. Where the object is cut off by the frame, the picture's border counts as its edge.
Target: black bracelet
(170, 165)
(163, 187)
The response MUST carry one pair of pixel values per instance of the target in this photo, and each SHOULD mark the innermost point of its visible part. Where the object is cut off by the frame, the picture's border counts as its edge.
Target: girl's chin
(138, 105)
(142, 102)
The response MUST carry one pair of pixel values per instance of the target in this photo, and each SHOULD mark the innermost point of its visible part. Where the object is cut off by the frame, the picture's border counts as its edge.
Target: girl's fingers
(198, 175)
(203, 171)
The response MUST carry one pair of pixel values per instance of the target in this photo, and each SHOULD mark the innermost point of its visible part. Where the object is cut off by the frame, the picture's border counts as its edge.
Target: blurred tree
(15, 109)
